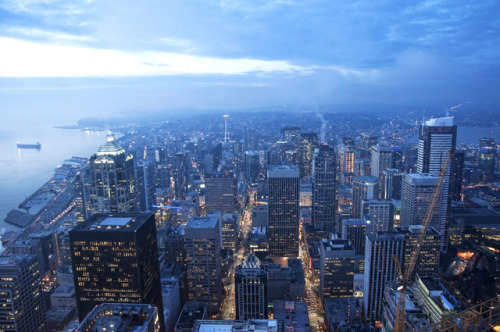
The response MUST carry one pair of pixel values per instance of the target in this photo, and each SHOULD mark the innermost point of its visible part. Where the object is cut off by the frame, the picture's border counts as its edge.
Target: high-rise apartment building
(363, 188)
(203, 260)
(337, 268)
(250, 281)
(416, 197)
(110, 185)
(380, 268)
(115, 260)
(324, 190)
(437, 138)
(283, 210)
(221, 192)
(21, 298)
(308, 143)
(346, 158)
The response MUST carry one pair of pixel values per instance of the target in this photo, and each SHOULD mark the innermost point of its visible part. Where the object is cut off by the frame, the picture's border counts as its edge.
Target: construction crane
(403, 279)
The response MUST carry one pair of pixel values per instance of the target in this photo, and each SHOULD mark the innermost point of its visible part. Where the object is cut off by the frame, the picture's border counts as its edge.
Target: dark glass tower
(308, 143)
(251, 289)
(324, 191)
(110, 185)
(115, 259)
(283, 210)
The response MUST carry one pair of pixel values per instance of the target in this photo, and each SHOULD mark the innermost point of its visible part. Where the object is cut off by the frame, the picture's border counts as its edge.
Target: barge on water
(37, 145)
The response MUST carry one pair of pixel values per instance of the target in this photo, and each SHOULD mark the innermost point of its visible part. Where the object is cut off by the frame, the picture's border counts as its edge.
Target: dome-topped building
(109, 184)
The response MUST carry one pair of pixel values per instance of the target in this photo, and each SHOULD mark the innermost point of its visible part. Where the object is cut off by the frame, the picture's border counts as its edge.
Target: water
(473, 134)
(23, 171)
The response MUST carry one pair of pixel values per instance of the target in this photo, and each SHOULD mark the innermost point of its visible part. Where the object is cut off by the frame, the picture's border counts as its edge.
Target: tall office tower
(381, 159)
(487, 159)
(111, 186)
(145, 176)
(115, 259)
(346, 158)
(363, 188)
(291, 135)
(78, 188)
(390, 183)
(180, 175)
(457, 175)
(250, 283)
(308, 143)
(221, 192)
(428, 260)
(415, 199)
(203, 260)
(378, 214)
(283, 210)
(355, 231)
(337, 268)
(324, 190)
(380, 268)
(397, 158)
(436, 139)
(252, 167)
(21, 297)
(366, 144)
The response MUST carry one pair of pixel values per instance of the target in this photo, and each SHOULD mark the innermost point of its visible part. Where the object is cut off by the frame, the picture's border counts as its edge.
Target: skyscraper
(324, 191)
(115, 259)
(390, 183)
(21, 298)
(221, 192)
(251, 289)
(380, 268)
(381, 159)
(283, 210)
(427, 265)
(363, 188)
(291, 135)
(378, 215)
(252, 167)
(337, 268)
(203, 260)
(457, 175)
(308, 143)
(415, 199)
(367, 142)
(437, 138)
(487, 159)
(110, 185)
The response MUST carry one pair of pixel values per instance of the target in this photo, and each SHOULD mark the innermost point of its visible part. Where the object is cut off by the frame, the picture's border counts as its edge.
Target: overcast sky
(106, 57)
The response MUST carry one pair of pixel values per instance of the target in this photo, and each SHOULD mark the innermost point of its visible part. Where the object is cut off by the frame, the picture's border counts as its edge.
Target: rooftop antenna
(226, 134)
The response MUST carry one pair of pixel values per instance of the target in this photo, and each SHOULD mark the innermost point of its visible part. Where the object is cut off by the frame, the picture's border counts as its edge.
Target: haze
(73, 58)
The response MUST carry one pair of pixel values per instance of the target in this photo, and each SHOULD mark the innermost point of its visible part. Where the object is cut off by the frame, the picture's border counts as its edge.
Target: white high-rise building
(436, 139)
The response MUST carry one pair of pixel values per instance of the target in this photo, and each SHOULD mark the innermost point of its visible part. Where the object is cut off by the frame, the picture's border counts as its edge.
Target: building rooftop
(120, 222)
(440, 122)
(111, 148)
(293, 314)
(119, 317)
(236, 325)
(191, 312)
(366, 179)
(282, 171)
(202, 222)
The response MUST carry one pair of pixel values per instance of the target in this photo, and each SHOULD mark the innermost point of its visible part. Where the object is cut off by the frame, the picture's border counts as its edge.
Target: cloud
(30, 59)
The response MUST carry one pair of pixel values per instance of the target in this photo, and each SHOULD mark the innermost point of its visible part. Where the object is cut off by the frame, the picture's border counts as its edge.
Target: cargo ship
(37, 145)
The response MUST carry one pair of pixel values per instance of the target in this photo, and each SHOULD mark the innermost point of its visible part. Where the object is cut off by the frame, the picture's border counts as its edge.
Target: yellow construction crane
(403, 279)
